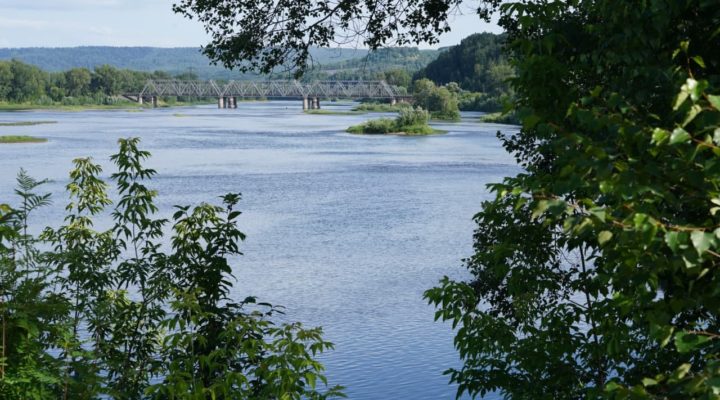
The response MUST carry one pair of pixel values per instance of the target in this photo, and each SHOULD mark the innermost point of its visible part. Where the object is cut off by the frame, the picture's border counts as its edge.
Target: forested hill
(476, 64)
(172, 60)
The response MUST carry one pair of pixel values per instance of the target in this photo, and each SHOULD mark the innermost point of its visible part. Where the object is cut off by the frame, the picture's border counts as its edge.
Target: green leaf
(604, 237)
(649, 382)
(715, 101)
(672, 239)
(686, 342)
(660, 135)
(699, 61)
(679, 135)
(702, 241)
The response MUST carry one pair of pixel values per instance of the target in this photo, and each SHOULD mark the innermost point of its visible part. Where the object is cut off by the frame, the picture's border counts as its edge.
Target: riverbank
(122, 105)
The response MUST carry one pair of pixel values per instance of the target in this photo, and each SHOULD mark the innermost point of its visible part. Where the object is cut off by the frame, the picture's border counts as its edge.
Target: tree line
(25, 83)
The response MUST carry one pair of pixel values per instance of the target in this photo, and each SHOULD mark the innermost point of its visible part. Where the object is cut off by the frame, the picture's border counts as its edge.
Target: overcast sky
(67, 23)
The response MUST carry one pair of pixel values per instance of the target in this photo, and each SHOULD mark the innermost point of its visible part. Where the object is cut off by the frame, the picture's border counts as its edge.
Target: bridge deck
(270, 88)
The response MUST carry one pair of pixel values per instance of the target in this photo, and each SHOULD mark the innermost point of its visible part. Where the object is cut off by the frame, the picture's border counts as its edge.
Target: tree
(106, 80)
(473, 64)
(28, 82)
(70, 329)
(6, 80)
(78, 81)
(265, 34)
(441, 103)
(595, 271)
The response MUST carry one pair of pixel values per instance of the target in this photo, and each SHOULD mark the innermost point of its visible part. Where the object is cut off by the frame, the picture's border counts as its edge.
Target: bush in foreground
(72, 330)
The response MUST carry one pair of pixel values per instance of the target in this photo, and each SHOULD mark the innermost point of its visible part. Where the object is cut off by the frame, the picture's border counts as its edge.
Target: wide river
(345, 231)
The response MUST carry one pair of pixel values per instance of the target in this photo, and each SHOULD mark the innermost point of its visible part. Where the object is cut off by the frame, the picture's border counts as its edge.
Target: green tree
(439, 101)
(106, 80)
(6, 80)
(595, 270)
(71, 330)
(28, 82)
(77, 81)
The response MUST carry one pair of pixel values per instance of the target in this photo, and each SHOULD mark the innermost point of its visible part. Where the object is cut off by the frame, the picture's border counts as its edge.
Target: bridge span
(227, 93)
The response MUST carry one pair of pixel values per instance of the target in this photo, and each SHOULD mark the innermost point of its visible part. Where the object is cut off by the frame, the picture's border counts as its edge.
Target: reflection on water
(345, 231)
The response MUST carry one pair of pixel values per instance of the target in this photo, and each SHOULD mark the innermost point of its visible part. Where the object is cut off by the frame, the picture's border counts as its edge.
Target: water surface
(345, 231)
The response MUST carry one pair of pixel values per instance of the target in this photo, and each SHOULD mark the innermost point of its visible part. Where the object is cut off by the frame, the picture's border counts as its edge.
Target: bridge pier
(316, 103)
(234, 101)
(154, 101)
(305, 103)
(393, 101)
(221, 102)
(140, 100)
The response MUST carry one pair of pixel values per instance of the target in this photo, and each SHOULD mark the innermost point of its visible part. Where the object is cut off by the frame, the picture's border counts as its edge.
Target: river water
(345, 231)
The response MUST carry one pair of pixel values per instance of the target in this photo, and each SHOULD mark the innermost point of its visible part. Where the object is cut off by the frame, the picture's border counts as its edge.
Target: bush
(75, 332)
(411, 116)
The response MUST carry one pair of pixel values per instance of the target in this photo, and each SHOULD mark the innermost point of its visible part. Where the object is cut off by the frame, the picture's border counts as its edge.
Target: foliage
(501, 118)
(441, 103)
(382, 107)
(265, 34)
(89, 317)
(477, 64)
(408, 122)
(22, 83)
(595, 271)
(21, 139)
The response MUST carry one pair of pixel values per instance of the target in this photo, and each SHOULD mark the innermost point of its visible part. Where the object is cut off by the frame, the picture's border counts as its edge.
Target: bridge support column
(140, 100)
(305, 104)
(234, 102)
(221, 102)
(393, 101)
(317, 103)
(154, 101)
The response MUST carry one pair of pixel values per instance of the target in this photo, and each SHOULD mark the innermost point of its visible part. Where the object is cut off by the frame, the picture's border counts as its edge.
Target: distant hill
(476, 64)
(173, 60)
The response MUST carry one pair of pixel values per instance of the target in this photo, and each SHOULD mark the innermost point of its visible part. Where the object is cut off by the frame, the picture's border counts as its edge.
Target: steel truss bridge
(227, 93)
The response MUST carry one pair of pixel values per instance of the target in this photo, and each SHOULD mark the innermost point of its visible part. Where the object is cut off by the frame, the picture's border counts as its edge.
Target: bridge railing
(270, 88)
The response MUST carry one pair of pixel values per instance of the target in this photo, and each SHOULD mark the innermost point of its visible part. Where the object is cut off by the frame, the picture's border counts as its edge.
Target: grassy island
(410, 122)
(21, 139)
(500, 118)
(382, 107)
(26, 123)
(331, 112)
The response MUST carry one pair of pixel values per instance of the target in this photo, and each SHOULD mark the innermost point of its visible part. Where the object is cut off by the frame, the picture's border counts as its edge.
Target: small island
(410, 122)
(21, 139)
(26, 123)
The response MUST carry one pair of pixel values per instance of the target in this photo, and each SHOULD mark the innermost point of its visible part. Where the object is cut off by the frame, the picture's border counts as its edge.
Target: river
(345, 231)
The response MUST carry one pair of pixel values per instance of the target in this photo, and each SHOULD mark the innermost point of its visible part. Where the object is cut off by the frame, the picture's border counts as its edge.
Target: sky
(69, 23)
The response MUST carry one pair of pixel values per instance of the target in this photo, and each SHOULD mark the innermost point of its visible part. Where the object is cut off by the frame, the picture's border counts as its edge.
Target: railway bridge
(227, 93)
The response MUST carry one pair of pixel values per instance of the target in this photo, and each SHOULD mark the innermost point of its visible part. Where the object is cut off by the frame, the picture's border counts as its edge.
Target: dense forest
(477, 64)
(148, 59)
(24, 83)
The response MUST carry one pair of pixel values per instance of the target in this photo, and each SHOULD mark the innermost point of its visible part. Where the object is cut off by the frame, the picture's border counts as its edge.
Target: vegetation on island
(382, 107)
(113, 312)
(595, 270)
(410, 122)
(438, 100)
(26, 123)
(9, 139)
